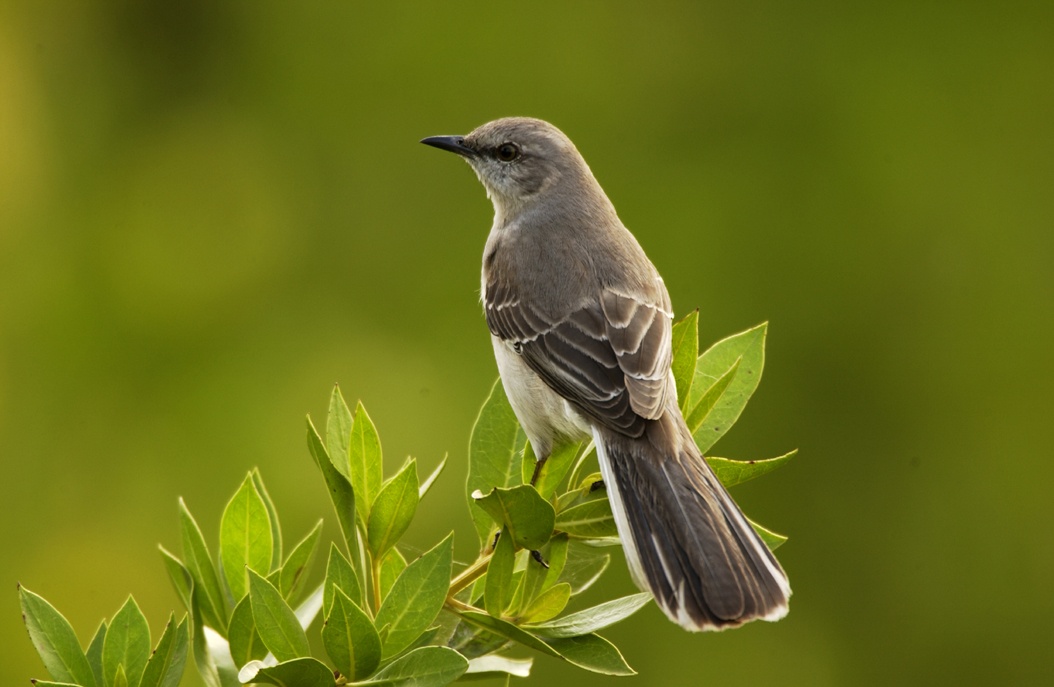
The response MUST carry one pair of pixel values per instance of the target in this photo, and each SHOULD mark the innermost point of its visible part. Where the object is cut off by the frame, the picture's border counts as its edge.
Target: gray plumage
(580, 322)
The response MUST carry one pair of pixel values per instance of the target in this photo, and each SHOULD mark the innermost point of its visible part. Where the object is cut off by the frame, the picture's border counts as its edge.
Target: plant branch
(469, 575)
(456, 606)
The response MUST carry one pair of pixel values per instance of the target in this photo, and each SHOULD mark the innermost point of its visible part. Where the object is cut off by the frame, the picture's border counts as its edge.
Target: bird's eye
(507, 152)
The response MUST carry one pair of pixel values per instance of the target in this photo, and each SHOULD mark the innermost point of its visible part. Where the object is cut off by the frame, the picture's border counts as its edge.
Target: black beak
(455, 144)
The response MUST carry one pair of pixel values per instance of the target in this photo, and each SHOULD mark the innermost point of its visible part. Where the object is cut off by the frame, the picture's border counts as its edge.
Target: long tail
(685, 539)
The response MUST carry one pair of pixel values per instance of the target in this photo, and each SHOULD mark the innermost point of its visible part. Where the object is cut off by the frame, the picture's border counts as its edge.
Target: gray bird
(580, 322)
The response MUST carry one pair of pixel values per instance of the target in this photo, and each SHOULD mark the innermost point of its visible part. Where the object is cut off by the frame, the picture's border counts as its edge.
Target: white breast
(544, 415)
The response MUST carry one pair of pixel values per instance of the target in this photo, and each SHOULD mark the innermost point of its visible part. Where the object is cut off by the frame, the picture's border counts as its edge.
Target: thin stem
(375, 569)
(460, 606)
(469, 575)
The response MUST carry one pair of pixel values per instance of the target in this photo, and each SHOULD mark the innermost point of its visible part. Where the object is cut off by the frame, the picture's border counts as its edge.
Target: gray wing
(610, 358)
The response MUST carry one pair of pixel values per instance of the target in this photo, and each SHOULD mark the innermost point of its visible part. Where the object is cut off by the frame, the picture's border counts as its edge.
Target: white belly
(544, 415)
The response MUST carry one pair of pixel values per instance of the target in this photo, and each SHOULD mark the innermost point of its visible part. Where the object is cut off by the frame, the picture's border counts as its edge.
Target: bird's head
(518, 160)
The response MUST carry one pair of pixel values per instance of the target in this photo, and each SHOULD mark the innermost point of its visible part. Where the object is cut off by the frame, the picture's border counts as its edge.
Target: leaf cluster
(383, 618)
(118, 654)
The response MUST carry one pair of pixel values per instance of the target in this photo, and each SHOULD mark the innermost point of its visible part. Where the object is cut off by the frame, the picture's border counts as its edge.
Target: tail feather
(685, 538)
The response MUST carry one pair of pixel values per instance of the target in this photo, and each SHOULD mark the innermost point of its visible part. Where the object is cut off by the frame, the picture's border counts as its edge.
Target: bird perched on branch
(580, 321)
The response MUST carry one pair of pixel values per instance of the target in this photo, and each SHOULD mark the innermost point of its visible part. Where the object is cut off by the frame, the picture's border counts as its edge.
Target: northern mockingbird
(580, 322)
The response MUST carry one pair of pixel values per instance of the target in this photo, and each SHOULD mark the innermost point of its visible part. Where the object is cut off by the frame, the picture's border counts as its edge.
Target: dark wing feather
(640, 336)
(610, 358)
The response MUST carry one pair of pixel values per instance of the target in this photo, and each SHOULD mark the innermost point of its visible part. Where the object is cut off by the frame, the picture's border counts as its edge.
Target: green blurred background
(211, 212)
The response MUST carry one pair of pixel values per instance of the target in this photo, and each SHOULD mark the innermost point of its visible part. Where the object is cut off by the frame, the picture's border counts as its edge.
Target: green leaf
(592, 619)
(589, 520)
(508, 630)
(474, 593)
(120, 679)
(539, 576)
(427, 484)
(547, 605)
(213, 603)
(275, 621)
(470, 641)
(700, 407)
(245, 538)
(593, 653)
(518, 576)
(585, 564)
(340, 492)
(211, 652)
(203, 661)
(494, 665)
(338, 432)
(587, 458)
(528, 516)
(555, 556)
(272, 515)
(180, 576)
(55, 640)
(393, 510)
(339, 573)
(498, 591)
(297, 672)
(294, 571)
(127, 644)
(749, 348)
(554, 470)
(416, 598)
(732, 472)
(428, 666)
(165, 667)
(245, 642)
(48, 683)
(350, 639)
(441, 633)
(528, 464)
(94, 653)
(771, 539)
(495, 454)
(392, 565)
(365, 461)
(685, 339)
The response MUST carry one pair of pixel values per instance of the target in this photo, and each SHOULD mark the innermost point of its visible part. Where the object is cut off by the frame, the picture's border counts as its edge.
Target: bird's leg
(538, 468)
